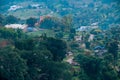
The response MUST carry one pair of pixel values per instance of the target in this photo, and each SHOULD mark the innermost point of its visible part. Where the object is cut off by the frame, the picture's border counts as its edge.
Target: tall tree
(31, 22)
(93, 68)
(12, 66)
(57, 48)
(113, 49)
(11, 19)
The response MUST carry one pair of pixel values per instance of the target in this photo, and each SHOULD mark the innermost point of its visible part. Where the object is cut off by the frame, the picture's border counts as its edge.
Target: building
(31, 29)
(14, 7)
(83, 28)
(99, 51)
(16, 26)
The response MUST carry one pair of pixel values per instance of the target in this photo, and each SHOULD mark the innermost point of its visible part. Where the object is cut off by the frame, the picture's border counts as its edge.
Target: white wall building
(16, 26)
(14, 7)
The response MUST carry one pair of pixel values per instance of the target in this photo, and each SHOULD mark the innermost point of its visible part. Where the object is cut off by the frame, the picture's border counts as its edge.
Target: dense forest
(59, 40)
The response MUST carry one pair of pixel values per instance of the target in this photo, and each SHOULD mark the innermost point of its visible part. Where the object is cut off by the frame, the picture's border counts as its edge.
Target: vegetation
(71, 40)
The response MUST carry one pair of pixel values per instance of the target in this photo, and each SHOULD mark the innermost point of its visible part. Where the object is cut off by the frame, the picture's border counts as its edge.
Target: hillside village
(59, 40)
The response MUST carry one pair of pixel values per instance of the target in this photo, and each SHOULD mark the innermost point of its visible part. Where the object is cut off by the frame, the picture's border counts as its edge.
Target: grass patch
(49, 33)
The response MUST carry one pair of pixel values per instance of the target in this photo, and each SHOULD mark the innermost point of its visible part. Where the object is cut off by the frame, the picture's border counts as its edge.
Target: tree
(115, 32)
(113, 49)
(57, 48)
(67, 22)
(7, 33)
(93, 68)
(90, 65)
(36, 61)
(11, 19)
(72, 34)
(11, 33)
(42, 67)
(59, 35)
(24, 44)
(50, 23)
(12, 66)
(2, 20)
(57, 71)
(31, 22)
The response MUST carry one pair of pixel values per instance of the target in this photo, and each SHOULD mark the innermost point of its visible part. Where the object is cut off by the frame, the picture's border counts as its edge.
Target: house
(31, 29)
(99, 51)
(94, 25)
(87, 28)
(83, 28)
(37, 6)
(98, 48)
(14, 7)
(16, 26)
(91, 37)
(78, 38)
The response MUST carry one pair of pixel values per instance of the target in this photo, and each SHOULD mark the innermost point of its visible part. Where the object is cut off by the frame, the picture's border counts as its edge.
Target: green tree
(90, 65)
(57, 71)
(31, 22)
(8, 33)
(93, 68)
(115, 32)
(57, 48)
(67, 22)
(12, 66)
(24, 44)
(50, 23)
(113, 49)
(2, 20)
(11, 19)
(36, 61)
(59, 35)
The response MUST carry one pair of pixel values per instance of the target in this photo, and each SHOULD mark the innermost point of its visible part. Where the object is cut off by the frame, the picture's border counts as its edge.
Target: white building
(14, 7)
(16, 26)
(83, 28)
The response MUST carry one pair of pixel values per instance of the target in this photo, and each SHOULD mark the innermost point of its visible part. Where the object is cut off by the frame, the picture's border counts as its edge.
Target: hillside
(84, 12)
(59, 40)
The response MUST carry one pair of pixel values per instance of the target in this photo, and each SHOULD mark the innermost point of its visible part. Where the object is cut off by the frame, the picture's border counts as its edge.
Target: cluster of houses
(14, 7)
(99, 51)
(38, 6)
(87, 28)
(33, 6)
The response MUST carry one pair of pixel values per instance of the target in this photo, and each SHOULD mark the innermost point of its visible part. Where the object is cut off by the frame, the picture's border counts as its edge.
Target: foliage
(50, 23)
(67, 22)
(11, 33)
(11, 19)
(93, 68)
(59, 35)
(12, 66)
(2, 20)
(57, 48)
(31, 22)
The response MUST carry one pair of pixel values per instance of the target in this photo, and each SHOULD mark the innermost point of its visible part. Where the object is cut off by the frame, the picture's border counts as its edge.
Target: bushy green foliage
(11, 33)
(56, 47)
(12, 66)
(11, 19)
(31, 22)
(35, 60)
(93, 68)
(50, 23)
